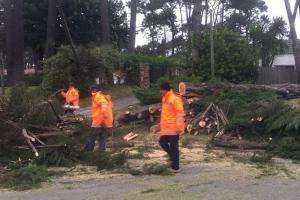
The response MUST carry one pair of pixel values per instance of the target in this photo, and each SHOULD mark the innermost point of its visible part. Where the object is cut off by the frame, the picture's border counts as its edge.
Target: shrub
(25, 178)
(148, 96)
(33, 80)
(62, 68)
(152, 95)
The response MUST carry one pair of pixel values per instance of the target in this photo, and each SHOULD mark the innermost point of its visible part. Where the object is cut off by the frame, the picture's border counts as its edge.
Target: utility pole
(212, 51)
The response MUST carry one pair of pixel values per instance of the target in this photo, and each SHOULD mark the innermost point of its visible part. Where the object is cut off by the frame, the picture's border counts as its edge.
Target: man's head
(71, 85)
(94, 88)
(164, 88)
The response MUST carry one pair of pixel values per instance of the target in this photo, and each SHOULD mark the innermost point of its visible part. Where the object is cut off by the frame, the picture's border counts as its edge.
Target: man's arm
(178, 105)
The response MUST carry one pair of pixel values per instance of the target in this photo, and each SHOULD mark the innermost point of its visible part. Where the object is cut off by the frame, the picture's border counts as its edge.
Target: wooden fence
(277, 76)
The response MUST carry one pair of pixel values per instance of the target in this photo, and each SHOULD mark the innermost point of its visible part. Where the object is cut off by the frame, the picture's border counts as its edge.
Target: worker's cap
(94, 87)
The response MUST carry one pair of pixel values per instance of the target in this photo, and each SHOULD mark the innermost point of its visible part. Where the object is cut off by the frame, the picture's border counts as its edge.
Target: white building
(284, 61)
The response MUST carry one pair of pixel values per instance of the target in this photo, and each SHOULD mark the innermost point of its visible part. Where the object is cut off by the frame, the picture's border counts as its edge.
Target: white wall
(284, 60)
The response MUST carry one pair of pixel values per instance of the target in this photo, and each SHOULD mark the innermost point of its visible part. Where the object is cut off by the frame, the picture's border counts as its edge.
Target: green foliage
(25, 178)
(28, 105)
(147, 96)
(82, 16)
(244, 107)
(61, 68)
(287, 147)
(152, 95)
(160, 66)
(156, 169)
(235, 58)
(33, 80)
(285, 121)
(104, 160)
(268, 38)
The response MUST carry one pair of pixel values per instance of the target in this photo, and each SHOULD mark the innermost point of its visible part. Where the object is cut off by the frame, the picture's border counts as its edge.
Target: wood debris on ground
(130, 136)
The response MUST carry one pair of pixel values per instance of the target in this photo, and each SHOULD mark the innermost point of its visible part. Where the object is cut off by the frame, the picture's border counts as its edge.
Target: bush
(152, 95)
(33, 80)
(147, 96)
(62, 68)
(25, 178)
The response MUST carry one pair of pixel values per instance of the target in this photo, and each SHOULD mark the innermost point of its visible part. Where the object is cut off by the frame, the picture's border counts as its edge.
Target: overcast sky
(276, 8)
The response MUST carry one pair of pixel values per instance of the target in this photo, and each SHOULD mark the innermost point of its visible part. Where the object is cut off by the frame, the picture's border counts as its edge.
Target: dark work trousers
(170, 144)
(102, 134)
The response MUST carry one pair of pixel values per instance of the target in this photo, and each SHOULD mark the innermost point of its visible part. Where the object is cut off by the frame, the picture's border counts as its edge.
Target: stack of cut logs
(212, 120)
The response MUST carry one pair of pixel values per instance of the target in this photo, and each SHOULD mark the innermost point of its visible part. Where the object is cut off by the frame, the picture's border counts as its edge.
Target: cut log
(143, 113)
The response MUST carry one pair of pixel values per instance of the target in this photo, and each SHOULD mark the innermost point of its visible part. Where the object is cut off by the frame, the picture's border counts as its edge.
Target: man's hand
(180, 132)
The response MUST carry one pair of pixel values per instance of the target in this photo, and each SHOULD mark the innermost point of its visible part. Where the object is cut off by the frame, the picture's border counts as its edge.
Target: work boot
(175, 170)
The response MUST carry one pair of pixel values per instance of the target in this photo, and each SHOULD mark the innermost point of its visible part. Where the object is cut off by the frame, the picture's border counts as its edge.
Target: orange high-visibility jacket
(102, 114)
(71, 96)
(172, 115)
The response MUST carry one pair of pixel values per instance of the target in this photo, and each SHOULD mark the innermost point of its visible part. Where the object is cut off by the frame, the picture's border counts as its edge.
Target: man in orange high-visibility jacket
(71, 98)
(171, 124)
(102, 119)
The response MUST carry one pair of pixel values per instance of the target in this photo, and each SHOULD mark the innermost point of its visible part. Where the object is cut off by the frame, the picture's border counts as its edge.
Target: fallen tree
(284, 90)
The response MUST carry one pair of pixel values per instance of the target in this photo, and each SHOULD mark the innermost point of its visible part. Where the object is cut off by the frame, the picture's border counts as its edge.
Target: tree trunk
(51, 28)
(181, 20)
(37, 58)
(132, 33)
(293, 33)
(14, 41)
(206, 12)
(104, 21)
(196, 24)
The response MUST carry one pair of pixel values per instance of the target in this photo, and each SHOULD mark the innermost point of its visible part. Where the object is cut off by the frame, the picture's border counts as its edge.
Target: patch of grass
(264, 163)
(104, 160)
(135, 172)
(137, 155)
(150, 190)
(156, 169)
(117, 145)
(70, 186)
(25, 178)
(262, 158)
(186, 141)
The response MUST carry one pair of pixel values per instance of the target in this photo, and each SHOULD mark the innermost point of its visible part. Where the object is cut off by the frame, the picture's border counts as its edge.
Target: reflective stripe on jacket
(71, 96)
(102, 115)
(172, 115)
